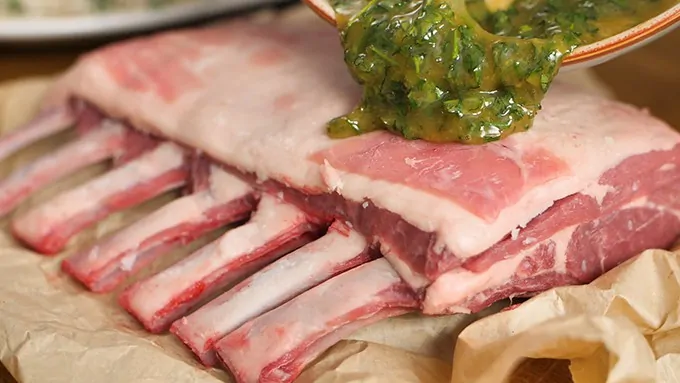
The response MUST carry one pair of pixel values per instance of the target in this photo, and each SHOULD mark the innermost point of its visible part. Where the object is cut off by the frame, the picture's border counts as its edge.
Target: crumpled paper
(622, 327)
(52, 330)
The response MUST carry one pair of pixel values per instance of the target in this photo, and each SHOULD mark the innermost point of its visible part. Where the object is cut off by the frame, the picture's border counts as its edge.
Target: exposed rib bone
(47, 123)
(274, 230)
(276, 346)
(225, 200)
(339, 250)
(48, 227)
(93, 147)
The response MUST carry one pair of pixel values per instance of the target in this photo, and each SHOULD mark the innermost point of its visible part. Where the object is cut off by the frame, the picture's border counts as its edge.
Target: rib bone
(274, 230)
(48, 227)
(225, 200)
(93, 147)
(49, 122)
(339, 250)
(276, 346)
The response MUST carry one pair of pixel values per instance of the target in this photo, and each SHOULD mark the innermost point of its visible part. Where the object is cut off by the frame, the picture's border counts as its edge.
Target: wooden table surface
(648, 77)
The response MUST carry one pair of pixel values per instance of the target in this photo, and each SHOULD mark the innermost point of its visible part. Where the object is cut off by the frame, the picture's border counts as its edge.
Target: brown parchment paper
(623, 327)
(51, 330)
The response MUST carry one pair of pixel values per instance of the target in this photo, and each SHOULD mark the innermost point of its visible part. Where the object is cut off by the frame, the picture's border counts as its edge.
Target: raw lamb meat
(218, 199)
(48, 227)
(454, 227)
(91, 148)
(276, 229)
(47, 123)
(339, 250)
(100, 139)
(295, 333)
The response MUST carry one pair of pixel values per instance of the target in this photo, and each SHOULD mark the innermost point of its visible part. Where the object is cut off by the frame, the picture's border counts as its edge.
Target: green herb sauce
(450, 70)
(585, 21)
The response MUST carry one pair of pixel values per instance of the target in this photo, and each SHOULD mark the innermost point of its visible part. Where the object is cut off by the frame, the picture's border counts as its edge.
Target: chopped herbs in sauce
(450, 70)
(585, 21)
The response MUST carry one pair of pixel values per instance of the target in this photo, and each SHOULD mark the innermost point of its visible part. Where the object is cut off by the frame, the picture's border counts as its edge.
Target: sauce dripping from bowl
(452, 71)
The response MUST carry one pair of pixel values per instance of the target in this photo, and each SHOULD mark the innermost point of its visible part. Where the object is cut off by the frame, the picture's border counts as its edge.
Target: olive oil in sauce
(586, 21)
(451, 71)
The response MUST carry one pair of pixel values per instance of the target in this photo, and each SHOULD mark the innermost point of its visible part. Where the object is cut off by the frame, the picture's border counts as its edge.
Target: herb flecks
(577, 21)
(430, 72)
(450, 70)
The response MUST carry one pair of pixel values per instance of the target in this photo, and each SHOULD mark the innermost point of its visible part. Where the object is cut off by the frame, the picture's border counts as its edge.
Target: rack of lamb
(328, 235)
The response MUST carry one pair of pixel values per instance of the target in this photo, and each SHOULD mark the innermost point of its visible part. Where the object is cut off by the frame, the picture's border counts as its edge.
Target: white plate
(31, 29)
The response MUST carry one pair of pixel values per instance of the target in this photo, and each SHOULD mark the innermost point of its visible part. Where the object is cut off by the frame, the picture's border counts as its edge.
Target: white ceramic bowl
(46, 29)
(586, 55)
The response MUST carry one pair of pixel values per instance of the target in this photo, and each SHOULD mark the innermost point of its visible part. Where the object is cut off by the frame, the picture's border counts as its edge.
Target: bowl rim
(640, 33)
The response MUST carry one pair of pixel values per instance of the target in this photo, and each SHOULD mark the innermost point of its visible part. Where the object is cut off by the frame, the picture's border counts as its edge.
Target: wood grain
(647, 77)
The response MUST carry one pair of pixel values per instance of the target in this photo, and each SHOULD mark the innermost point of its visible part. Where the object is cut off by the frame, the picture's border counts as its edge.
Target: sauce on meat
(453, 71)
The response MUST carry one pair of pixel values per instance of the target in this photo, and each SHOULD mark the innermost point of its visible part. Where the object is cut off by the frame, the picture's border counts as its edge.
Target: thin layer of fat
(232, 115)
(591, 135)
(269, 120)
(450, 291)
(254, 131)
(458, 285)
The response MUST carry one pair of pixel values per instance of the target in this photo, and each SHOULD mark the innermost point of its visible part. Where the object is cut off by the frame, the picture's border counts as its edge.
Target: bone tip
(182, 329)
(125, 301)
(43, 243)
(224, 361)
(177, 328)
(153, 325)
(208, 359)
(70, 267)
(101, 287)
